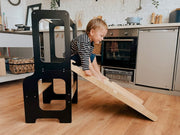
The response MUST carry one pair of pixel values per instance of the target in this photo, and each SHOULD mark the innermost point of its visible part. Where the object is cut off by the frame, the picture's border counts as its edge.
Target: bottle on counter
(156, 19)
(160, 19)
(1, 26)
(153, 18)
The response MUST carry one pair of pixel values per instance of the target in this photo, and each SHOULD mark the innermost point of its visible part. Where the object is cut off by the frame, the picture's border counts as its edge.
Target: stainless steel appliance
(119, 48)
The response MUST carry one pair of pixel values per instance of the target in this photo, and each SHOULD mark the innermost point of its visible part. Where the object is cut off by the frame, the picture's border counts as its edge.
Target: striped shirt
(83, 46)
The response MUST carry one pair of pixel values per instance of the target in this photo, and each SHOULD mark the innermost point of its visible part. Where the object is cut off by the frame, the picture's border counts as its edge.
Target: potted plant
(55, 4)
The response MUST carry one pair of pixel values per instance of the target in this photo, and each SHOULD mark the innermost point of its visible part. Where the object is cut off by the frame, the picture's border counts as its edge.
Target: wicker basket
(19, 66)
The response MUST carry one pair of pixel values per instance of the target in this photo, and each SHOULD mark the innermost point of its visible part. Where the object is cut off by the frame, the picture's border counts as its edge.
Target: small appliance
(174, 16)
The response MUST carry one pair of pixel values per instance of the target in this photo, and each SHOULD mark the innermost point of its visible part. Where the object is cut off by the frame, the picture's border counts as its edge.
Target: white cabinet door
(177, 73)
(155, 57)
(15, 40)
(177, 79)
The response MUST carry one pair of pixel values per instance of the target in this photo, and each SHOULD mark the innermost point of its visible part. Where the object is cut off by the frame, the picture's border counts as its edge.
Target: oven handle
(118, 39)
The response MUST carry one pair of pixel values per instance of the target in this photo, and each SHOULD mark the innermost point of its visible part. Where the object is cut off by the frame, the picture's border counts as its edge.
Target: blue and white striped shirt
(82, 46)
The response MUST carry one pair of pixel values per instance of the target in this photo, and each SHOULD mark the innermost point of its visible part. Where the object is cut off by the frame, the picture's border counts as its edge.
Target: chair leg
(31, 99)
(75, 96)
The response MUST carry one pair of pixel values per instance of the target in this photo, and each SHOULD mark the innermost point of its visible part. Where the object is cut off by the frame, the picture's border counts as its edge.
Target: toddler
(83, 45)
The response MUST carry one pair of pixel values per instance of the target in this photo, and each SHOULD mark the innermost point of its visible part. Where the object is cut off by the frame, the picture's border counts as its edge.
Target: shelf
(12, 77)
(15, 40)
(20, 45)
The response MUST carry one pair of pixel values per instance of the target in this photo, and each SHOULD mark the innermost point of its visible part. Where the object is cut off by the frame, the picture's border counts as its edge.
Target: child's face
(97, 35)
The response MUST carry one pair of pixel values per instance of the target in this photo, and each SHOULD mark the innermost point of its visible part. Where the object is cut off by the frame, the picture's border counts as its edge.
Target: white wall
(113, 11)
(14, 14)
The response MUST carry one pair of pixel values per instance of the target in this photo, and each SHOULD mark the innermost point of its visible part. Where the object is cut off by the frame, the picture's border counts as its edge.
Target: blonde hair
(95, 23)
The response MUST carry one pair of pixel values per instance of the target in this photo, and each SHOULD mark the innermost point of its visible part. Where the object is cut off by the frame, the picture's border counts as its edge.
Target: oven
(119, 48)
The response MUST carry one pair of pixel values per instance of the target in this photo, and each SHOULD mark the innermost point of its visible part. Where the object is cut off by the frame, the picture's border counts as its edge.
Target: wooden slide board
(119, 92)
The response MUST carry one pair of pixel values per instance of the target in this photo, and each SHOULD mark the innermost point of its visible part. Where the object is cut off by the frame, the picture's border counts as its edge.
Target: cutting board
(2, 67)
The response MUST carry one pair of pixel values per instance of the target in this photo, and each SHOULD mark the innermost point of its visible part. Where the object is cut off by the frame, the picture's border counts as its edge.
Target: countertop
(110, 27)
(17, 32)
(146, 26)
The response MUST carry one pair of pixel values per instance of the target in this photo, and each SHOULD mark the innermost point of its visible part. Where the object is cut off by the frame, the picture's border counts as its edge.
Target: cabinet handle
(118, 40)
(149, 30)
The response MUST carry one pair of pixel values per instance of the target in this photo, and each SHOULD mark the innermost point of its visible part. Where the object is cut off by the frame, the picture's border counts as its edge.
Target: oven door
(119, 52)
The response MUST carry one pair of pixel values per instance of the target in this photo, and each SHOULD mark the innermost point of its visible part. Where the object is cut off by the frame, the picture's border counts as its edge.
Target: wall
(13, 14)
(113, 11)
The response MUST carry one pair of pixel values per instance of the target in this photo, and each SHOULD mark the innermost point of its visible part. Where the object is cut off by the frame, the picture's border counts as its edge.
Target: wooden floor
(97, 113)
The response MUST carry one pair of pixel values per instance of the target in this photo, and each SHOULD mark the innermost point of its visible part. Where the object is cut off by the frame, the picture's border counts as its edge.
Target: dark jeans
(77, 59)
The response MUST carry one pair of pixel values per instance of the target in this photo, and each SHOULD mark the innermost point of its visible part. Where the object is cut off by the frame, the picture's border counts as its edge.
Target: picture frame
(30, 9)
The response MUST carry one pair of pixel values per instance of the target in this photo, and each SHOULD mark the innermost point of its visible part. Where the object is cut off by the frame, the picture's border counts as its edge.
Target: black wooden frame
(58, 68)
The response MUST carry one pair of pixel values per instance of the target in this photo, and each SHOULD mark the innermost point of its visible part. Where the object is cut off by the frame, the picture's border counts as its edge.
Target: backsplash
(113, 11)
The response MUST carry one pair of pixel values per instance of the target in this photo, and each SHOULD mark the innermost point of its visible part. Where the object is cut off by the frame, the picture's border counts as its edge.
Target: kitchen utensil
(133, 20)
(22, 27)
(2, 67)
(4, 22)
(140, 7)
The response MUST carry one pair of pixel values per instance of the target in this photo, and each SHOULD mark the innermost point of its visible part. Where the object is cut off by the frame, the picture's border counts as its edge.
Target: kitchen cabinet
(15, 39)
(177, 69)
(19, 45)
(155, 57)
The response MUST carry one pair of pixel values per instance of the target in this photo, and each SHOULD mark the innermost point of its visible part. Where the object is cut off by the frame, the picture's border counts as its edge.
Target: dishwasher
(155, 57)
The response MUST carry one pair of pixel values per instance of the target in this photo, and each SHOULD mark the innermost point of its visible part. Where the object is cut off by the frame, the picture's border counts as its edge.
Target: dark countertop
(17, 32)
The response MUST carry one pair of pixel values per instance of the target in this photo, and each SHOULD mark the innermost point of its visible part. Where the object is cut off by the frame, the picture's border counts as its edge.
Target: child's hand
(88, 73)
(105, 78)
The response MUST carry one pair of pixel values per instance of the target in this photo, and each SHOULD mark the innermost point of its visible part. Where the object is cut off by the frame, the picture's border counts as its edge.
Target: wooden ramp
(119, 92)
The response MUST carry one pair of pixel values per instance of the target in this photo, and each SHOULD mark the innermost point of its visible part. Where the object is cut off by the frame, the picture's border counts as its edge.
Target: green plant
(155, 3)
(54, 5)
